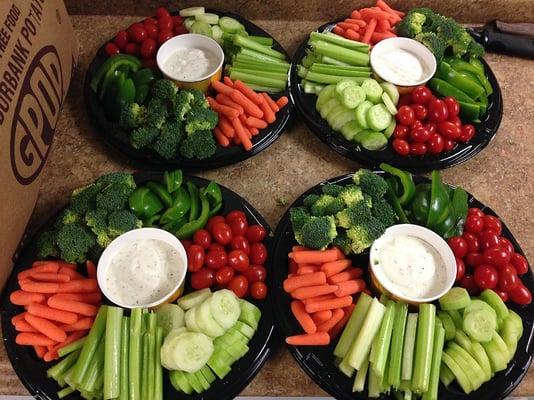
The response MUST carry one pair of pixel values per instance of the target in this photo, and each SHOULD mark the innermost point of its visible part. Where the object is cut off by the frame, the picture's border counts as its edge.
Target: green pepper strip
(141, 93)
(421, 203)
(173, 180)
(469, 111)
(191, 227)
(447, 225)
(446, 89)
(161, 192)
(144, 203)
(112, 90)
(143, 77)
(406, 181)
(460, 206)
(180, 206)
(172, 227)
(394, 201)
(126, 95)
(215, 211)
(195, 202)
(213, 193)
(110, 65)
(439, 202)
(151, 221)
(470, 87)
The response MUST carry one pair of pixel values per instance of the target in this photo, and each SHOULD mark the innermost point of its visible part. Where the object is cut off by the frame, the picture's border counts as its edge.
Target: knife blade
(495, 41)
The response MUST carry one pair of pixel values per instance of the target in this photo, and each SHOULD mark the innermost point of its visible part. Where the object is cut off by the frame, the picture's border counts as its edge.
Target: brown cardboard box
(38, 52)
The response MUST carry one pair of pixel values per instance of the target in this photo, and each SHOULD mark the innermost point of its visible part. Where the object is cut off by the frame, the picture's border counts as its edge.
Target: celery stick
(351, 57)
(302, 71)
(332, 71)
(423, 348)
(250, 55)
(445, 374)
(267, 74)
(409, 346)
(263, 40)
(382, 342)
(335, 39)
(437, 351)
(96, 369)
(145, 386)
(267, 89)
(375, 387)
(151, 374)
(259, 80)
(125, 340)
(397, 343)
(112, 357)
(245, 42)
(67, 377)
(134, 354)
(362, 345)
(345, 368)
(258, 66)
(331, 79)
(341, 67)
(58, 370)
(89, 347)
(333, 61)
(353, 326)
(76, 345)
(361, 375)
(158, 388)
(65, 392)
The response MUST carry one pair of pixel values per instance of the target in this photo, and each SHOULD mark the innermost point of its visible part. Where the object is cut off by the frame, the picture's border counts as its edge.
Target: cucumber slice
(343, 84)
(191, 351)
(225, 308)
(230, 25)
(206, 322)
(220, 367)
(361, 113)
(477, 304)
(479, 354)
(497, 354)
(326, 94)
(458, 372)
(389, 104)
(457, 318)
(463, 358)
(194, 298)
(241, 336)
(463, 340)
(480, 325)
(373, 90)
(350, 129)
(329, 106)
(391, 90)
(352, 96)
(191, 320)
(208, 375)
(168, 317)
(208, 18)
(445, 375)
(230, 337)
(390, 129)
(217, 33)
(236, 350)
(371, 140)
(510, 330)
(517, 320)
(166, 352)
(201, 28)
(250, 314)
(495, 302)
(245, 329)
(378, 117)
(188, 23)
(455, 299)
(180, 382)
(341, 119)
(448, 324)
(334, 113)
(174, 333)
(192, 11)
(195, 384)
(203, 381)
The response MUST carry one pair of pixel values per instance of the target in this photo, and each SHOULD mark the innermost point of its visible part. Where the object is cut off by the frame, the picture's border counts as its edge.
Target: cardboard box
(38, 53)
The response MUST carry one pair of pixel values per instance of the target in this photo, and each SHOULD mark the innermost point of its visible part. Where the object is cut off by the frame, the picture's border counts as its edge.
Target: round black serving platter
(318, 361)
(305, 104)
(117, 138)
(32, 371)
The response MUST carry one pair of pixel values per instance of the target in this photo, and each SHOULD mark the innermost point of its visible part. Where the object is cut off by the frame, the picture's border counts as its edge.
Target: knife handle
(499, 42)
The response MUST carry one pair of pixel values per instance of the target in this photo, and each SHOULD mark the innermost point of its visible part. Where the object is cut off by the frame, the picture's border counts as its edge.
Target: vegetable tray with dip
(366, 304)
(209, 122)
(369, 57)
(105, 346)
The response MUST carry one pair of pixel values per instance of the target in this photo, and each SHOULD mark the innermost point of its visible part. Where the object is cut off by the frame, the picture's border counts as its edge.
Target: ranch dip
(143, 271)
(400, 66)
(410, 267)
(190, 64)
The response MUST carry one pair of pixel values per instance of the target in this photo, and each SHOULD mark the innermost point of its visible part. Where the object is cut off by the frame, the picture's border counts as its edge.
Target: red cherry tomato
(493, 223)
(150, 63)
(520, 294)
(420, 111)
(238, 260)
(405, 115)
(520, 263)
(177, 20)
(216, 259)
(474, 224)
(258, 290)
(203, 238)
(150, 20)
(475, 211)
(502, 294)
(468, 282)
(435, 143)
(138, 34)
(400, 132)
(186, 243)
(111, 49)
(460, 269)
(165, 23)
(132, 26)
(222, 233)
(496, 256)
(121, 39)
(437, 111)
(238, 226)
(466, 133)
(452, 106)
(256, 233)
(234, 214)
(255, 273)
(401, 146)
(258, 253)
(448, 144)
(416, 124)
(486, 276)
(474, 258)
(420, 135)
(195, 257)
(216, 247)
(432, 127)
(508, 278)
(161, 12)
(448, 130)
(472, 241)
(505, 244)
(240, 243)
(179, 29)
(148, 48)
(487, 238)
(456, 121)
(152, 31)
(239, 285)
(203, 278)
(421, 95)
(212, 221)
(164, 36)
(132, 48)
(418, 149)
(224, 275)
(458, 246)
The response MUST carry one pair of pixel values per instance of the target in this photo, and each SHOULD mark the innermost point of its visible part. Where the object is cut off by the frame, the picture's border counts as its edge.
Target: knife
(497, 41)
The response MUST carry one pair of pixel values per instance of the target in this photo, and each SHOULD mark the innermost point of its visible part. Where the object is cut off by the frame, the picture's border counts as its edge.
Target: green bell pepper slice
(446, 89)
(439, 208)
(215, 211)
(445, 228)
(469, 111)
(144, 203)
(141, 93)
(187, 230)
(126, 94)
(214, 195)
(195, 201)
(161, 192)
(392, 198)
(173, 227)
(406, 183)
(180, 206)
(421, 203)
(469, 86)
(465, 67)
(151, 221)
(173, 180)
(144, 76)
(110, 65)
(112, 91)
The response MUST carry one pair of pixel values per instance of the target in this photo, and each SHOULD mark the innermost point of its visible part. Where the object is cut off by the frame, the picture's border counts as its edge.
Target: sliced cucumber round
(389, 104)
(342, 118)
(244, 329)
(206, 322)
(495, 302)
(329, 106)
(350, 129)
(333, 114)
(448, 324)
(230, 25)
(352, 96)
(343, 84)
(194, 298)
(201, 28)
(392, 92)
(208, 18)
(468, 363)
(378, 117)
(361, 113)
(455, 299)
(224, 307)
(479, 354)
(174, 333)
(457, 318)
(477, 304)
(390, 129)
(191, 319)
(192, 11)
(191, 351)
(497, 352)
(480, 325)
(373, 90)
(458, 372)
(188, 23)
(217, 33)
(169, 316)
(371, 140)
(463, 340)
(326, 94)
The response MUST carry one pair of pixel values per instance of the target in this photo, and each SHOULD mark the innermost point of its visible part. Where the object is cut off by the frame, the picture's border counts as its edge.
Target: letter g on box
(36, 114)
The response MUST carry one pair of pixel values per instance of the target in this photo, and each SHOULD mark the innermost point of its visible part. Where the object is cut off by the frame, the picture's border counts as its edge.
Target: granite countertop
(501, 176)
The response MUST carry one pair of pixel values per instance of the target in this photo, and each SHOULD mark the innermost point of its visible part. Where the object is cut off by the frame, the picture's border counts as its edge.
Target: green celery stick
(158, 388)
(336, 39)
(112, 356)
(336, 52)
(331, 79)
(242, 41)
(259, 80)
(267, 74)
(134, 354)
(423, 348)
(333, 61)
(267, 89)
(382, 342)
(76, 345)
(263, 40)
(89, 382)
(437, 351)
(57, 371)
(354, 324)
(397, 344)
(409, 347)
(65, 392)
(333, 71)
(361, 375)
(151, 375)
(125, 340)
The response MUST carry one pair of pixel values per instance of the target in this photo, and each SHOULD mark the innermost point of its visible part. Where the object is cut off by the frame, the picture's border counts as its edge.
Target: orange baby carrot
(335, 267)
(50, 277)
(33, 339)
(81, 324)
(361, 23)
(22, 298)
(350, 287)
(282, 101)
(378, 36)
(340, 302)
(71, 273)
(39, 351)
(17, 318)
(243, 119)
(303, 317)
(347, 25)
(384, 25)
(49, 266)
(385, 7)
(226, 127)
(46, 327)
(315, 278)
(91, 269)
(228, 81)
(78, 286)
(222, 88)
(307, 269)
(254, 131)
(369, 31)
(241, 133)
(251, 94)
(222, 109)
(314, 339)
(256, 122)
(347, 311)
(355, 15)
(338, 30)
(248, 105)
(271, 102)
(52, 354)
(227, 101)
(43, 311)
(40, 287)
(294, 249)
(321, 316)
(307, 292)
(314, 256)
(352, 273)
(337, 315)
(23, 326)
(221, 139)
(59, 303)
(340, 254)
(315, 299)
(351, 34)
(91, 298)
(268, 113)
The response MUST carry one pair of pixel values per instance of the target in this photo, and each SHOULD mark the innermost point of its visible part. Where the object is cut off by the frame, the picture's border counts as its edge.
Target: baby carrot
(329, 304)
(91, 298)
(314, 339)
(228, 81)
(243, 119)
(346, 25)
(23, 326)
(47, 267)
(268, 113)
(52, 354)
(350, 287)
(376, 14)
(352, 273)
(227, 101)
(46, 327)
(378, 36)
(326, 326)
(22, 298)
(220, 138)
(91, 269)
(314, 256)
(294, 249)
(78, 286)
(59, 303)
(355, 15)
(222, 88)
(248, 105)
(315, 299)
(226, 127)
(315, 278)
(71, 273)
(321, 316)
(385, 7)
(361, 23)
(40, 287)
(384, 25)
(335, 267)
(254, 131)
(271, 102)
(50, 277)
(338, 30)
(351, 34)
(17, 318)
(307, 269)
(347, 311)
(251, 94)
(81, 324)
(304, 319)
(39, 351)
(313, 291)
(369, 31)
(222, 109)
(43, 311)
(256, 122)
(282, 101)
(241, 133)
(33, 339)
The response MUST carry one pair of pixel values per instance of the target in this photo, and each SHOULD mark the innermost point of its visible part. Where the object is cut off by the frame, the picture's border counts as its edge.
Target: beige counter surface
(501, 176)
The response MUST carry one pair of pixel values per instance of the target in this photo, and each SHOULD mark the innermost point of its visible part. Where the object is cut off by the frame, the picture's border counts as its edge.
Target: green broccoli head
(318, 232)
(132, 115)
(309, 200)
(475, 49)
(46, 245)
(332, 189)
(200, 119)
(448, 30)
(298, 217)
(342, 241)
(431, 41)
(164, 89)
(327, 205)
(143, 136)
(199, 100)
(383, 211)
(97, 220)
(372, 184)
(199, 144)
(125, 179)
(168, 142)
(74, 241)
(68, 216)
(461, 43)
(113, 197)
(182, 103)
(412, 24)
(363, 235)
(353, 215)
(83, 199)
(122, 221)
(351, 195)
(431, 18)
(156, 113)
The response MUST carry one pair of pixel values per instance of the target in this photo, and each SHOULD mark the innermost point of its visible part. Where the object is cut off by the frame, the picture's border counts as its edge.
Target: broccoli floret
(113, 197)
(372, 184)
(199, 144)
(351, 195)
(367, 200)
(310, 199)
(318, 232)
(132, 115)
(69, 217)
(447, 30)
(353, 215)
(122, 178)
(412, 24)
(431, 41)
(95, 252)
(122, 221)
(164, 89)
(156, 113)
(298, 217)
(431, 18)
(342, 241)
(360, 238)
(332, 189)
(97, 220)
(383, 211)
(461, 43)
(327, 205)
(143, 136)
(182, 103)
(83, 198)
(476, 49)
(46, 245)
(200, 119)
(199, 100)
(74, 241)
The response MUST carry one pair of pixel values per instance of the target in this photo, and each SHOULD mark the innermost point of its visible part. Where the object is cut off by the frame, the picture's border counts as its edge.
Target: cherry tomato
(148, 48)
(239, 285)
(121, 39)
(150, 20)
(258, 290)
(520, 294)
(132, 48)
(493, 223)
(161, 12)
(437, 111)
(435, 143)
(152, 31)
(224, 275)
(448, 130)
(203, 278)
(486, 276)
(240, 243)
(203, 238)
(420, 135)
(238, 260)
(215, 259)
(195, 257)
(416, 124)
(258, 253)
(164, 36)
(421, 95)
(235, 213)
(150, 63)
(487, 238)
(466, 133)
(502, 294)
(186, 243)
(520, 263)
(452, 106)
(138, 34)
(506, 244)
(476, 211)
(448, 144)
(238, 226)
(456, 121)
(256, 233)
(508, 278)
(222, 233)
(111, 49)
(177, 20)
(400, 132)
(460, 269)
(458, 246)
(180, 29)
(212, 221)
(418, 149)
(216, 247)
(468, 282)
(165, 23)
(474, 258)
(406, 115)
(132, 26)
(401, 146)
(420, 111)
(474, 224)
(432, 127)
(496, 256)
(472, 241)
(255, 273)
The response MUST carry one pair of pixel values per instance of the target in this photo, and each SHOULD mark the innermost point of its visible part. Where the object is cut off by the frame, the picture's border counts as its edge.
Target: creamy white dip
(143, 271)
(410, 267)
(400, 66)
(190, 64)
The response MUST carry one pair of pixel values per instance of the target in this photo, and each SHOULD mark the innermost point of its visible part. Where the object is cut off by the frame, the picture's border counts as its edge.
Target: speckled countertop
(501, 176)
